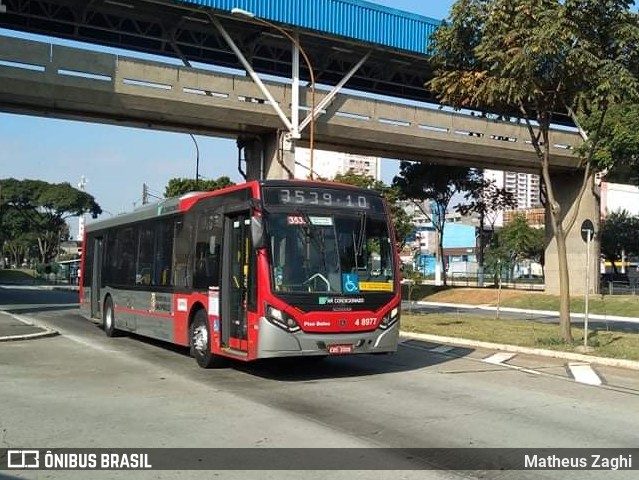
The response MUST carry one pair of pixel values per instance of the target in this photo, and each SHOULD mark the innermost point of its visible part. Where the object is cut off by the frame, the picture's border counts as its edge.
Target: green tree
(401, 222)
(19, 239)
(618, 235)
(618, 148)
(435, 184)
(180, 186)
(533, 58)
(514, 243)
(522, 241)
(45, 207)
(485, 199)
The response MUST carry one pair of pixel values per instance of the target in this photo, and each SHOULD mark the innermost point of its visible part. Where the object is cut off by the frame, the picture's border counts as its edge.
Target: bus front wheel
(108, 318)
(200, 341)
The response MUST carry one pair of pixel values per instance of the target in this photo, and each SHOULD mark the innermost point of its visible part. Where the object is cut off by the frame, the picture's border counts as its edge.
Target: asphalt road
(82, 389)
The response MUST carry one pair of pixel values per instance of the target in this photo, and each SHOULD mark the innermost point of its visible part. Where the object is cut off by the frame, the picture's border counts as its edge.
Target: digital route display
(322, 197)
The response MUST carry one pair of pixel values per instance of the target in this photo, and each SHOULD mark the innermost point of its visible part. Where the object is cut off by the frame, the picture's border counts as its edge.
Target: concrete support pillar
(567, 187)
(268, 156)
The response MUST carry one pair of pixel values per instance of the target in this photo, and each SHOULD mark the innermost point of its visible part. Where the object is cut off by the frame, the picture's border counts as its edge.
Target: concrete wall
(616, 196)
(566, 189)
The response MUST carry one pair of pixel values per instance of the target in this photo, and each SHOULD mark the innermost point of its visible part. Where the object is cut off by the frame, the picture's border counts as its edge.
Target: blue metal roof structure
(336, 35)
(354, 19)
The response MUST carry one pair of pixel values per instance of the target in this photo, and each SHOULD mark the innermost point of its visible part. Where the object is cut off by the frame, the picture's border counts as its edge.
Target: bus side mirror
(257, 233)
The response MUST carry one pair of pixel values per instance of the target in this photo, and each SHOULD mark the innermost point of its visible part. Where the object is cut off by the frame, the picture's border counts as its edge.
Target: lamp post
(197, 161)
(294, 41)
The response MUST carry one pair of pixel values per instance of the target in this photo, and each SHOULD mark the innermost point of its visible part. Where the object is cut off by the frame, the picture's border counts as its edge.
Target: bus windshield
(345, 253)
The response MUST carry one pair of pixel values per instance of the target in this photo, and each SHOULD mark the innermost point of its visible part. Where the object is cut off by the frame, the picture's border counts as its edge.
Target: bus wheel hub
(200, 338)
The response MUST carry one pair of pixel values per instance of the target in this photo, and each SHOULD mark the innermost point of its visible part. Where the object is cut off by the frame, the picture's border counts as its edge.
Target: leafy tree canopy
(180, 186)
(618, 148)
(436, 184)
(532, 59)
(483, 197)
(522, 240)
(39, 209)
(55, 200)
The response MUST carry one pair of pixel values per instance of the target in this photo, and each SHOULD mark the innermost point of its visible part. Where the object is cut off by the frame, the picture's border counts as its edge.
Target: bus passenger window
(163, 252)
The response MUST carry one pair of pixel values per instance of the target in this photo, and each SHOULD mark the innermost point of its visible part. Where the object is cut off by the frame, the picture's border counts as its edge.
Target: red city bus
(265, 269)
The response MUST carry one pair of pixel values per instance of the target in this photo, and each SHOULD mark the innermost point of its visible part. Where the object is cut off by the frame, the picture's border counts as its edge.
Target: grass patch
(622, 305)
(525, 333)
(418, 292)
(17, 276)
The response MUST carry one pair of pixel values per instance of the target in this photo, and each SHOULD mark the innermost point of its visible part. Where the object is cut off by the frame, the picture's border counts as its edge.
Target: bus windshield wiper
(362, 232)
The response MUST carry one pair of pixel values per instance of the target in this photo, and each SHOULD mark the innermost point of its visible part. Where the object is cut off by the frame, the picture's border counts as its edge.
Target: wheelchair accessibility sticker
(350, 283)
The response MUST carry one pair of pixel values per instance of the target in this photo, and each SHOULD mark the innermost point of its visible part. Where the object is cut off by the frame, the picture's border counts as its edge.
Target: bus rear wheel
(108, 318)
(200, 341)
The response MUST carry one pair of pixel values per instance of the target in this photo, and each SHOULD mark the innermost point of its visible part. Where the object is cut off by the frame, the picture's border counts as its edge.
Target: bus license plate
(340, 349)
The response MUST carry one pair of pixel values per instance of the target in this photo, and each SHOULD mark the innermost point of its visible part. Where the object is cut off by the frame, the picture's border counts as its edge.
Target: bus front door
(236, 281)
(96, 278)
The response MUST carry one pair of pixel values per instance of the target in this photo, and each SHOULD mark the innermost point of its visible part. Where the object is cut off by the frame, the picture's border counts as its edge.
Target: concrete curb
(32, 286)
(30, 336)
(591, 316)
(48, 332)
(577, 357)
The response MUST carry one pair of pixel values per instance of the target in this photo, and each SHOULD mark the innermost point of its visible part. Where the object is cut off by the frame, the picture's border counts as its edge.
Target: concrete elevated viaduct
(50, 80)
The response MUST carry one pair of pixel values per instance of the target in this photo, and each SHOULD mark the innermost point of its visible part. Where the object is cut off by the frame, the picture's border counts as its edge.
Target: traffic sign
(586, 227)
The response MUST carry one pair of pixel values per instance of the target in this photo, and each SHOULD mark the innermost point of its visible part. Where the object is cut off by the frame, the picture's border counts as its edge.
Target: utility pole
(81, 221)
(145, 194)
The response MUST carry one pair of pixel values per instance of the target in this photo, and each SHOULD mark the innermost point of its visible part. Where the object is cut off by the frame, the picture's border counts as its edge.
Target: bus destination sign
(322, 197)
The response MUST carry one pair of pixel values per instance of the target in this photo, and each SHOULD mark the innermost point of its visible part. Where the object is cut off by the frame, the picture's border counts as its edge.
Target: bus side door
(237, 280)
(96, 278)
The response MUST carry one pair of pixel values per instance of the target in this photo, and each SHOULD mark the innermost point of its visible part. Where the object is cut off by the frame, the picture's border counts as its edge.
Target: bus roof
(155, 210)
(175, 204)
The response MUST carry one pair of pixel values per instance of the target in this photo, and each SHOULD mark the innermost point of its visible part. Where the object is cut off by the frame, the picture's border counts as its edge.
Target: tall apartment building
(327, 164)
(524, 186)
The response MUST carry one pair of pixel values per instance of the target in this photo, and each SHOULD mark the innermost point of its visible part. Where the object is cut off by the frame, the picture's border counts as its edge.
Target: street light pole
(296, 43)
(197, 161)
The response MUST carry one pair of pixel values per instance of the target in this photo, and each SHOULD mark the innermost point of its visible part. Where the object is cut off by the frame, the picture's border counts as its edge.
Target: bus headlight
(389, 319)
(281, 319)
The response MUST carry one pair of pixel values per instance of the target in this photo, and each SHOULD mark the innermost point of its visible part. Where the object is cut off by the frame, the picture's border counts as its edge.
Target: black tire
(108, 319)
(200, 342)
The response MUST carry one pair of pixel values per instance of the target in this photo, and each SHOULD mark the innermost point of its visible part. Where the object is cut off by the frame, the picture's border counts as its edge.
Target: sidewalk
(579, 357)
(15, 327)
(40, 286)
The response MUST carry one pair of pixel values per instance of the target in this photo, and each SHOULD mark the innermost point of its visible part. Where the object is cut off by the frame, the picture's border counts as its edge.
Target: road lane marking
(583, 373)
(499, 358)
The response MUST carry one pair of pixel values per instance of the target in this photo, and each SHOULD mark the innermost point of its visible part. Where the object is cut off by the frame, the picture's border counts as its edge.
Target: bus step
(235, 353)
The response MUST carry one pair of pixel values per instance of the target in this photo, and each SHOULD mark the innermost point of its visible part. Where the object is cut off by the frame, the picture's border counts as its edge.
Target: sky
(117, 161)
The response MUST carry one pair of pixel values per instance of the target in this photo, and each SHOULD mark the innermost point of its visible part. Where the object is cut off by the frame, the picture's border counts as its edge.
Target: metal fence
(619, 288)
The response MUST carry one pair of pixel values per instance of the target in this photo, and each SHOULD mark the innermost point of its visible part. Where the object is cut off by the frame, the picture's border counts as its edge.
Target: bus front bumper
(275, 342)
